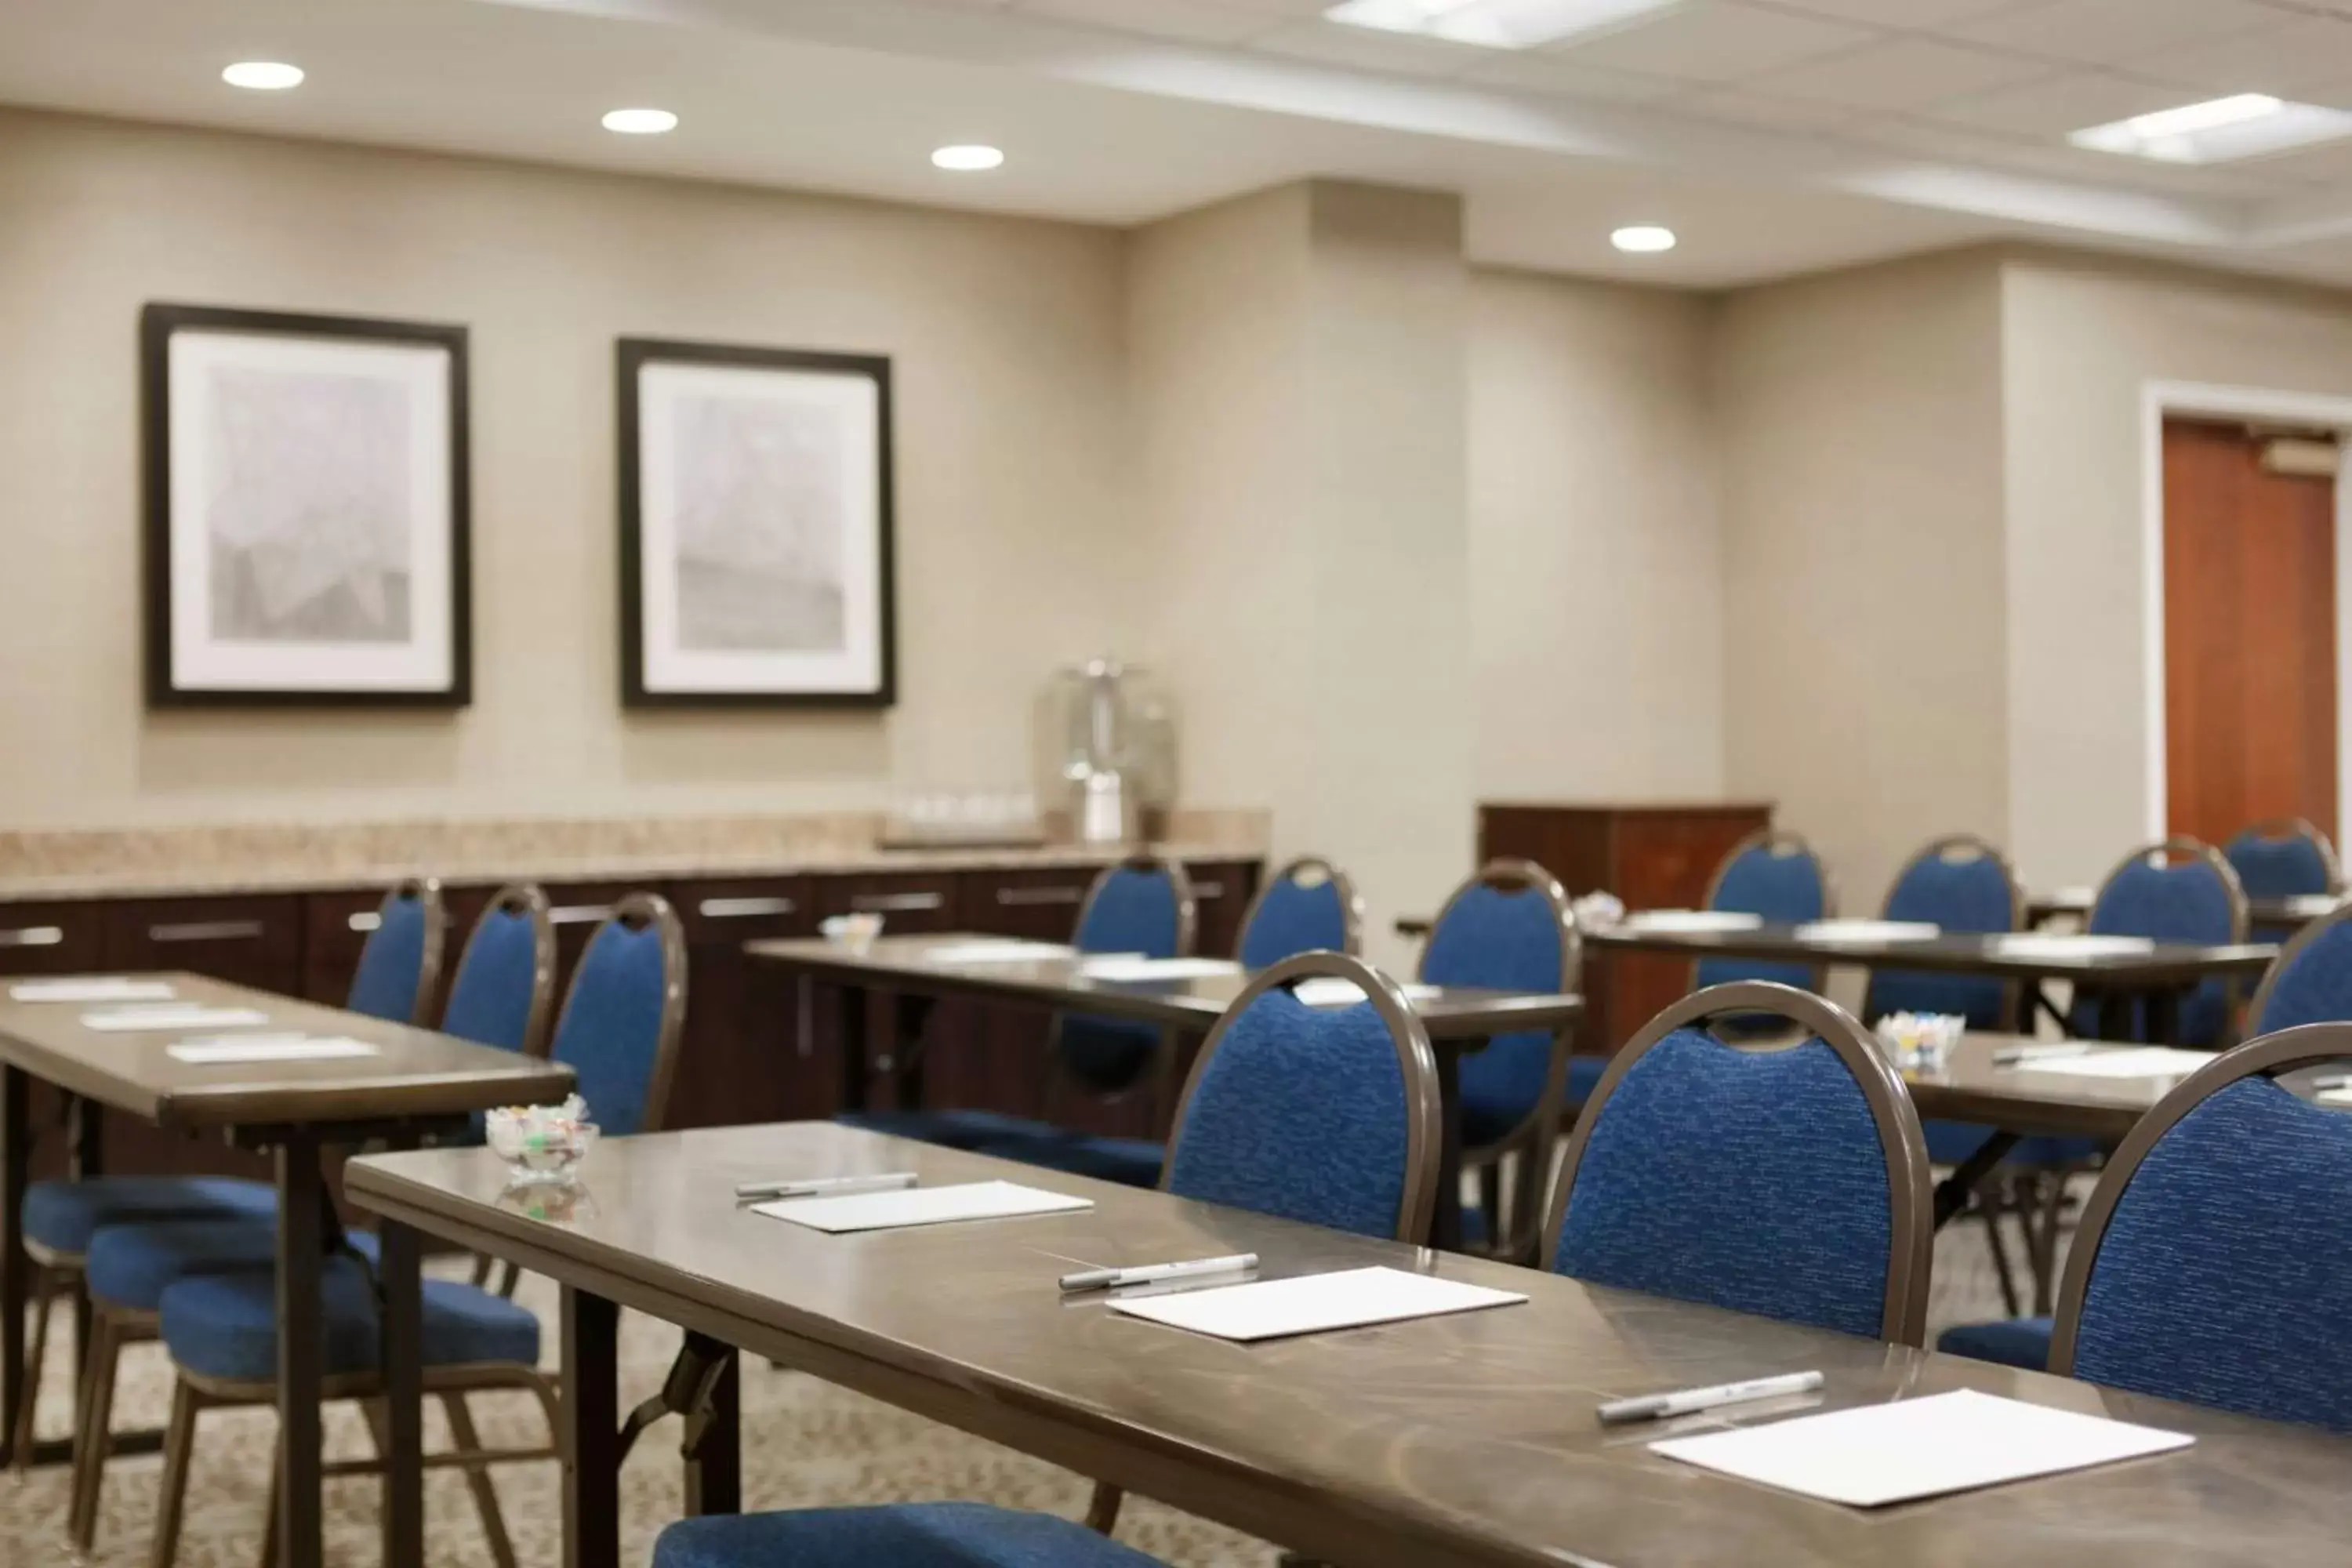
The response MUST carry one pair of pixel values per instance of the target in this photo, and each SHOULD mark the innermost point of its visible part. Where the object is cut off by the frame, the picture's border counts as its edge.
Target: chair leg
(509, 1274)
(171, 1494)
(29, 1392)
(1988, 1209)
(2045, 1244)
(467, 1440)
(94, 1437)
(1490, 1200)
(1102, 1508)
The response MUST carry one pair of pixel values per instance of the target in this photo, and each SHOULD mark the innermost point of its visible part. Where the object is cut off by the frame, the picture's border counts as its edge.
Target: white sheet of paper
(920, 1206)
(2138, 1061)
(219, 1051)
(1665, 921)
(1313, 1303)
(1868, 930)
(2332, 1097)
(995, 952)
(2061, 944)
(98, 988)
(1120, 966)
(2311, 906)
(173, 1016)
(1882, 1454)
(1330, 991)
(2077, 895)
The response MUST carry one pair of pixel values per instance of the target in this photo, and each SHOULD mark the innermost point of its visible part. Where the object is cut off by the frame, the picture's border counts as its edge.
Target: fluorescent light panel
(2219, 129)
(1494, 24)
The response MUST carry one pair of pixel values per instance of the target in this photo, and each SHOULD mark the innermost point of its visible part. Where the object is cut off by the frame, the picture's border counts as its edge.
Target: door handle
(32, 936)
(896, 903)
(1207, 890)
(744, 909)
(1018, 898)
(206, 930)
(578, 915)
(364, 920)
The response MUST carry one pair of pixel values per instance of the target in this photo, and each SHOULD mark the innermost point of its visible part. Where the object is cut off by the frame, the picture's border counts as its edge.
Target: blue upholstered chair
(1510, 928)
(619, 1029)
(2283, 858)
(398, 972)
(504, 987)
(1789, 1181)
(2179, 890)
(2215, 1262)
(1308, 906)
(2310, 981)
(1774, 874)
(1323, 1114)
(1142, 905)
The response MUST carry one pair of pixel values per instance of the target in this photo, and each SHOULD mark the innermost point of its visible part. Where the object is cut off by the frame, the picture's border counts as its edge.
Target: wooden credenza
(1653, 855)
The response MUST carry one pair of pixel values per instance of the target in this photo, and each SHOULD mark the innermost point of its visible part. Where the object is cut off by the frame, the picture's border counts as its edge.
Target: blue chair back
(1774, 874)
(622, 1014)
(1790, 1182)
(2310, 981)
(1144, 905)
(400, 963)
(2281, 859)
(1309, 907)
(506, 977)
(1508, 928)
(2215, 1262)
(1962, 884)
(2179, 890)
(1323, 1114)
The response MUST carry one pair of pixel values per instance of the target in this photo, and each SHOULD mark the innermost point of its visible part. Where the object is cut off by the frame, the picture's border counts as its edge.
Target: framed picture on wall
(306, 499)
(755, 526)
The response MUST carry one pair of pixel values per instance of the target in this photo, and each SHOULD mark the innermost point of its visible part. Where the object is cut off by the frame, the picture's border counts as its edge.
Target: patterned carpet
(804, 1444)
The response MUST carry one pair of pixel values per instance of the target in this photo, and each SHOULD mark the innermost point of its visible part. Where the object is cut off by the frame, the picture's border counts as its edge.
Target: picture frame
(756, 527)
(308, 509)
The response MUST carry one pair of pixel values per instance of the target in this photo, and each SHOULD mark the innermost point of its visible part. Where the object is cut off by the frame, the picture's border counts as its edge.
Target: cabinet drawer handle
(207, 930)
(1207, 890)
(1018, 898)
(896, 903)
(364, 920)
(744, 909)
(32, 936)
(578, 915)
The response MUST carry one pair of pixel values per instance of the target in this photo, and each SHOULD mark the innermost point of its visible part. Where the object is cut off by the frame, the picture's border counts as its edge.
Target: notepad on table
(1330, 991)
(920, 1206)
(2311, 906)
(220, 1050)
(2335, 1097)
(2137, 1061)
(1882, 1454)
(995, 952)
(160, 1016)
(1859, 930)
(98, 988)
(1117, 966)
(2061, 944)
(1313, 1303)
(1674, 921)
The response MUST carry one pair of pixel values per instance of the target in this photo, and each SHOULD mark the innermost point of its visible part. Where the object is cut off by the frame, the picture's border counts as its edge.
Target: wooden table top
(415, 1072)
(1971, 1087)
(902, 963)
(1964, 951)
(2291, 910)
(1468, 1439)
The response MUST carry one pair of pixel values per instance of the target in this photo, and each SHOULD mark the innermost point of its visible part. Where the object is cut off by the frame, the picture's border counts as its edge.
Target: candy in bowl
(542, 1142)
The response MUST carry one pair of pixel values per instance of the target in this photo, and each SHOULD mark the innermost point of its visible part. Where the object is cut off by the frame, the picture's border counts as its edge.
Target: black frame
(635, 353)
(157, 323)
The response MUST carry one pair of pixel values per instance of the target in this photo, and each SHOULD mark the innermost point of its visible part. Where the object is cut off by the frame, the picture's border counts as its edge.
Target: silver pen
(824, 1186)
(1151, 1273)
(1688, 1401)
(2016, 1054)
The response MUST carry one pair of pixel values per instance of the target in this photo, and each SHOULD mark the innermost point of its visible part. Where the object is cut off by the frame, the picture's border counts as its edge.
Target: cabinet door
(1221, 891)
(907, 901)
(742, 1052)
(50, 938)
(1041, 905)
(250, 940)
(1004, 1064)
(335, 928)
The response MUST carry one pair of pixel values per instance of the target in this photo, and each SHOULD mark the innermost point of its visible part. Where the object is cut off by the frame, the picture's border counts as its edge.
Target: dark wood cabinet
(746, 1056)
(335, 928)
(1652, 855)
(1222, 892)
(252, 941)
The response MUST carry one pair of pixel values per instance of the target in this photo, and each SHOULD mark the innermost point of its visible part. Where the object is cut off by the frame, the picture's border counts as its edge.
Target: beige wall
(1596, 561)
(1013, 507)
(1864, 651)
(2080, 338)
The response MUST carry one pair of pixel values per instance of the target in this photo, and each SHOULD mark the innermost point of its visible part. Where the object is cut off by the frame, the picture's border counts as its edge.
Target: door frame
(2160, 399)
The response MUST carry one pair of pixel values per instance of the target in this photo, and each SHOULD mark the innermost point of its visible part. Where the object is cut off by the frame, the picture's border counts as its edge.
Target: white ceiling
(1776, 135)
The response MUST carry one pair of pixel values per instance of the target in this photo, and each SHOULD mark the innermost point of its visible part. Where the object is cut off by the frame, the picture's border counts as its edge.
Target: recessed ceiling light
(263, 75)
(640, 122)
(1494, 24)
(969, 157)
(1643, 239)
(2242, 125)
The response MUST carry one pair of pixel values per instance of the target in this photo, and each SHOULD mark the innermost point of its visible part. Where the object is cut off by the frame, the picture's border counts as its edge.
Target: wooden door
(2249, 635)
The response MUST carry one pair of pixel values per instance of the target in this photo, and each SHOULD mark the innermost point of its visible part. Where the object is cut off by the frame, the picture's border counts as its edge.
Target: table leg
(850, 1002)
(404, 1393)
(1952, 1192)
(714, 1441)
(16, 1267)
(911, 1017)
(591, 1412)
(85, 1157)
(2164, 1013)
(1445, 1219)
(2116, 1010)
(302, 1255)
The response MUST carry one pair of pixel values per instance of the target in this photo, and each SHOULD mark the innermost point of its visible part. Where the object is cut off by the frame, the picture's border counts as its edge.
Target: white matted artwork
(306, 505)
(755, 526)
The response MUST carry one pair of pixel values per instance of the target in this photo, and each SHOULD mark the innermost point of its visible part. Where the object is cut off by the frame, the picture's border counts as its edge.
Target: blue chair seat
(2011, 1341)
(226, 1325)
(955, 1129)
(1130, 1161)
(63, 1216)
(901, 1535)
(133, 1265)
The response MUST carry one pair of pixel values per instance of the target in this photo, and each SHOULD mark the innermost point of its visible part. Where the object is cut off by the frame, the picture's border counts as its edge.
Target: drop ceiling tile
(1742, 107)
(2309, 53)
(2053, 106)
(1906, 73)
(1181, 19)
(1534, 71)
(2114, 32)
(1338, 44)
(1714, 41)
